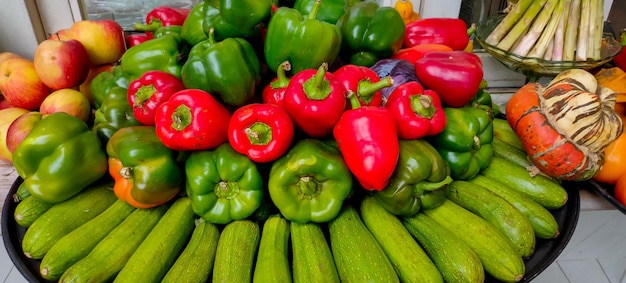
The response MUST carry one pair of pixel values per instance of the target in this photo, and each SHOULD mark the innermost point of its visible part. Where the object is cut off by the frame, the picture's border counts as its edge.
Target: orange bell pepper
(615, 158)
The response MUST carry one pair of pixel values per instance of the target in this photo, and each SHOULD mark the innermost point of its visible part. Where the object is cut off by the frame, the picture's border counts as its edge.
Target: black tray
(607, 192)
(546, 251)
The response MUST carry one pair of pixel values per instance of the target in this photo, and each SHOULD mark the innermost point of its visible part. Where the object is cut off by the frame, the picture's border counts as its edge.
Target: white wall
(25, 23)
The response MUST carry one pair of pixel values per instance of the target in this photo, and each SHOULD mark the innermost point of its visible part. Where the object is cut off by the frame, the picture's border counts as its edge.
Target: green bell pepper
(103, 82)
(146, 173)
(59, 158)
(229, 69)
(419, 181)
(163, 53)
(330, 10)
(114, 113)
(465, 142)
(370, 33)
(310, 182)
(223, 185)
(192, 31)
(303, 41)
(482, 99)
(235, 18)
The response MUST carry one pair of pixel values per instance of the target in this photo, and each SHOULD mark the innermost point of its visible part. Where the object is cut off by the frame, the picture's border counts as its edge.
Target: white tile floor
(596, 253)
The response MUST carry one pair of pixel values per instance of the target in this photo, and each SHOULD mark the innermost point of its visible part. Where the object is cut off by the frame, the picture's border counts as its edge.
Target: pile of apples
(56, 79)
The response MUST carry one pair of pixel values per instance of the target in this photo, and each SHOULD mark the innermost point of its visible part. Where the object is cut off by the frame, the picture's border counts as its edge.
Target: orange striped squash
(566, 125)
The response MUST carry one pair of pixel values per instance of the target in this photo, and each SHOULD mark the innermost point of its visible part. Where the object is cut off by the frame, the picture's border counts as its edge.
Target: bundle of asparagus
(557, 30)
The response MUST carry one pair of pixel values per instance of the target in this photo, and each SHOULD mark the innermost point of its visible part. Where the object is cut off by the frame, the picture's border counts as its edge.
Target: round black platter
(546, 251)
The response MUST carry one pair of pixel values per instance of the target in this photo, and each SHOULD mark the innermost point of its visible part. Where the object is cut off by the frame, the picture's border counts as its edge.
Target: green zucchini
(158, 251)
(492, 248)
(412, 264)
(272, 262)
(503, 131)
(513, 154)
(542, 221)
(108, 257)
(456, 261)
(78, 243)
(63, 217)
(236, 249)
(498, 212)
(357, 254)
(195, 263)
(29, 209)
(539, 188)
(21, 193)
(312, 260)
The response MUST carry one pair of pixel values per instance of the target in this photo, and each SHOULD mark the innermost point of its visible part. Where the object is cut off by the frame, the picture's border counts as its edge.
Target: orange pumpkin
(566, 125)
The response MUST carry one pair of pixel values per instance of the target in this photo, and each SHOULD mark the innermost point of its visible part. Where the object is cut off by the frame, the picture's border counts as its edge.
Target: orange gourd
(566, 125)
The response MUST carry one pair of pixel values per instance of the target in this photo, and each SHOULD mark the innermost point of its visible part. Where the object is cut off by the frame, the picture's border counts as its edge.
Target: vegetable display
(300, 140)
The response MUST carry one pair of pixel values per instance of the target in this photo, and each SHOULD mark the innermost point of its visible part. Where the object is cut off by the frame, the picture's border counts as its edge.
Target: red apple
(4, 104)
(85, 87)
(103, 39)
(62, 34)
(61, 63)
(20, 84)
(20, 128)
(7, 116)
(67, 100)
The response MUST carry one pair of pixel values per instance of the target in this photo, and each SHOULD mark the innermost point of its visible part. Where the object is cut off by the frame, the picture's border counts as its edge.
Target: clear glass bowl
(537, 67)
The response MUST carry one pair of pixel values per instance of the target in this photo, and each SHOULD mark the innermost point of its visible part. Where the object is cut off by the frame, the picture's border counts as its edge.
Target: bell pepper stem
(125, 172)
(622, 37)
(422, 105)
(314, 10)
(432, 186)
(259, 133)
(143, 94)
(353, 99)
(282, 81)
(152, 26)
(181, 118)
(226, 190)
(317, 87)
(211, 38)
(307, 187)
(367, 89)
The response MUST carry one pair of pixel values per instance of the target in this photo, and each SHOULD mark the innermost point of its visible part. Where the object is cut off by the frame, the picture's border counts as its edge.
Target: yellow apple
(20, 85)
(67, 100)
(61, 63)
(7, 116)
(103, 39)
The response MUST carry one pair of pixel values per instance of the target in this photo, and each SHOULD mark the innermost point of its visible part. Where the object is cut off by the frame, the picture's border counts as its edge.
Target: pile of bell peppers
(239, 102)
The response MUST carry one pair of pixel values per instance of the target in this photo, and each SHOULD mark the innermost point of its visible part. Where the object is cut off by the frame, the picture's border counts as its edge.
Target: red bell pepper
(416, 52)
(261, 131)
(274, 92)
(315, 99)
(620, 59)
(418, 112)
(455, 76)
(448, 31)
(368, 141)
(192, 119)
(137, 38)
(364, 83)
(162, 16)
(152, 89)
